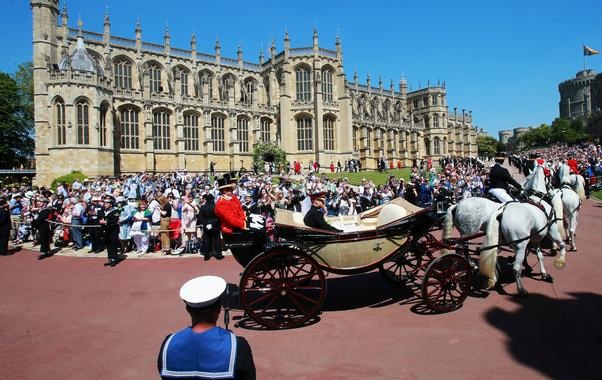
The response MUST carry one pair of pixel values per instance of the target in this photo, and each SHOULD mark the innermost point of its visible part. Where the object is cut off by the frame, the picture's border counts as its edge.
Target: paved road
(72, 318)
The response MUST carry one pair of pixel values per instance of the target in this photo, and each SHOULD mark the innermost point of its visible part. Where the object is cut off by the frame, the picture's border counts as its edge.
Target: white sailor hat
(202, 291)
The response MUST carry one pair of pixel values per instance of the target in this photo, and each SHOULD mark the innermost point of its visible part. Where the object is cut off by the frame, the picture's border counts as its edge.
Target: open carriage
(284, 285)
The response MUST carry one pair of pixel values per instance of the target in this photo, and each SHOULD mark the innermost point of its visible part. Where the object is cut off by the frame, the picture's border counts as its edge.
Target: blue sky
(501, 59)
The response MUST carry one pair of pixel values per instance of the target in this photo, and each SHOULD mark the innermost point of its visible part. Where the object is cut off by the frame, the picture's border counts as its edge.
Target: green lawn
(596, 194)
(370, 175)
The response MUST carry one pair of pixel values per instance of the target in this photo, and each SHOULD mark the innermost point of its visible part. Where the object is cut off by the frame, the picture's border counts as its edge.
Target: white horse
(574, 181)
(469, 216)
(570, 207)
(521, 223)
(572, 193)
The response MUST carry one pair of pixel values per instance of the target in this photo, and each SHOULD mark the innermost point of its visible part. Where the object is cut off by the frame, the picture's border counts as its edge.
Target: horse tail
(559, 212)
(579, 186)
(488, 256)
(448, 224)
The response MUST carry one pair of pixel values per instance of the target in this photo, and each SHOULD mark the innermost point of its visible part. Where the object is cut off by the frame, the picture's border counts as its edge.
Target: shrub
(69, 178)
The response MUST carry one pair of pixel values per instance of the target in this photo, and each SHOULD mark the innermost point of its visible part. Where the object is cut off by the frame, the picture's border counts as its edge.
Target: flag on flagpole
(589, 51)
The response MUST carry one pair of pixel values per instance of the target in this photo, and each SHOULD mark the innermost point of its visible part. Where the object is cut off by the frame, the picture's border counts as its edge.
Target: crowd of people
(175, 213)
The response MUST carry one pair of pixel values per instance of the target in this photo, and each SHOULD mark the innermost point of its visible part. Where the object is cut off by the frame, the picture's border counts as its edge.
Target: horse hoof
(559, 264)
(490, 284)
(548, 278)
(523, 293)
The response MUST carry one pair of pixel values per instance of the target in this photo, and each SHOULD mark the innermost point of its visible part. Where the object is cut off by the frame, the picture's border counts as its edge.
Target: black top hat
(533, 156)
(224, 183)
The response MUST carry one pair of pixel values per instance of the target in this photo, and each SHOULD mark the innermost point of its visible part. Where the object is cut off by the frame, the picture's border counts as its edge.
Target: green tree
(16, 117)
(487, 145)
(268, 152)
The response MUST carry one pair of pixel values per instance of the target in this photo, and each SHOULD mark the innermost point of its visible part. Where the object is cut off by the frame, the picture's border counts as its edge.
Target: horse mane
(536, 180)
(564, 173)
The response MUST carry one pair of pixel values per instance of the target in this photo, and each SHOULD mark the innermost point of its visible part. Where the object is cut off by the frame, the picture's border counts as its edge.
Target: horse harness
(550, 217)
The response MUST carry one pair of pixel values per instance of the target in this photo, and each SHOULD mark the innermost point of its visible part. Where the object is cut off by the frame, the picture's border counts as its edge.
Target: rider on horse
(499, 178)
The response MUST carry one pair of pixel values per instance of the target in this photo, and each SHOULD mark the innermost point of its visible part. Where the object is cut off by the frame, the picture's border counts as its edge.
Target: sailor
(315, 216)
(499, 178)
(203, 350)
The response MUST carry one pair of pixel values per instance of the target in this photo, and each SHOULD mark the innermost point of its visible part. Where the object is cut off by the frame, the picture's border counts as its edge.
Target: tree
(486, 145)
(268, 152)
(16, 117)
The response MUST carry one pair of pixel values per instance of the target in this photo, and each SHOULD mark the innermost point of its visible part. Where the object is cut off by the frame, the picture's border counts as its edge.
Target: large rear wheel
(282, 288)
(446, 283)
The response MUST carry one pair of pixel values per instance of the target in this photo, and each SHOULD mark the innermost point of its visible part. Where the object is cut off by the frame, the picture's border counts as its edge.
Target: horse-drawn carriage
(284, 284)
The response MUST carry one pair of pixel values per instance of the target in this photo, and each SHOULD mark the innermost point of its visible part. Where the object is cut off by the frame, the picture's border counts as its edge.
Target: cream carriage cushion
(390, 213)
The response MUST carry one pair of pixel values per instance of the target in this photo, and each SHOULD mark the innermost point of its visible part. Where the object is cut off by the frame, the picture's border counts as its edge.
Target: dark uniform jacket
(499, 178)
(315, 219)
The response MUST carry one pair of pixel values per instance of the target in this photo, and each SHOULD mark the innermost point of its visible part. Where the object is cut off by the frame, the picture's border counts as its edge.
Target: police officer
(110, 223)
(499, 178)
(203, 350)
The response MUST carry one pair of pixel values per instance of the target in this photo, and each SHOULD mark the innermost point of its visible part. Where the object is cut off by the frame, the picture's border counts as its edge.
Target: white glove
(256, 226)
(257, 218)
(209, 227)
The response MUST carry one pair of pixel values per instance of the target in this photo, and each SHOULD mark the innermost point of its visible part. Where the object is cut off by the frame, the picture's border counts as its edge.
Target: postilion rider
(231, 215)
(203, 350)
(499, 178)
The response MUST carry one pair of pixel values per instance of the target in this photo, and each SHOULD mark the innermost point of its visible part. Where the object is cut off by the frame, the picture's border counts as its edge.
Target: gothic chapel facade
(107, 105)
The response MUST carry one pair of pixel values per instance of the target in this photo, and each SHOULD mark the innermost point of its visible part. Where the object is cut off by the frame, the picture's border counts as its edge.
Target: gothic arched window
(161, 130)
(327, 86)
(191, 132)
(122, 74)
(154, 73)
(83, 122)
(129, 128)
(328, 132)
(304, 133)
(242, 133)
(303, 84)
(59, 117)
(217, 133)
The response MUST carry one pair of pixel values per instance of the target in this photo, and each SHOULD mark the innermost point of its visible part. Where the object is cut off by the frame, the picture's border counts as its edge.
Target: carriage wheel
(446, 283)
(401, 268)
(282, 288)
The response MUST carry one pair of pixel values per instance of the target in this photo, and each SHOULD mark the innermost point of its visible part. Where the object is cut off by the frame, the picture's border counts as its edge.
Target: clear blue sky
(501, 59)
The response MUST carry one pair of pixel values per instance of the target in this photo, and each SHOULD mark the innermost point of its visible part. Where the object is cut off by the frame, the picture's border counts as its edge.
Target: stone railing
(123, 42)
(77, 77)
(229, 62)
(328, 53)
(205, 57)
(296, 52)
(181, 53)
(153, 48)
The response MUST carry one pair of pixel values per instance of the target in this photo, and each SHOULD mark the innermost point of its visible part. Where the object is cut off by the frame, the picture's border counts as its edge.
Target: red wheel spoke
(259, 299)
(302, 296)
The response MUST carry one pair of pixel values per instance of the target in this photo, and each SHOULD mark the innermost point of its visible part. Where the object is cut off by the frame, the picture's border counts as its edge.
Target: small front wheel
(446, 283)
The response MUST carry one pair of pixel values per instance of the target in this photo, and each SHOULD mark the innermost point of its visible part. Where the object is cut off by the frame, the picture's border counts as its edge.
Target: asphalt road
(73, 318)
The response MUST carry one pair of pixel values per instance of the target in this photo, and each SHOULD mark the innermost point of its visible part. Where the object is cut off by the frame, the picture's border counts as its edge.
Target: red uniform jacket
(230, 214)
(572, 163)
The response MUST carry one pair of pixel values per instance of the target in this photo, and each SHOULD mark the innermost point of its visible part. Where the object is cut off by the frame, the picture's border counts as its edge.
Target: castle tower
(45, 54)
